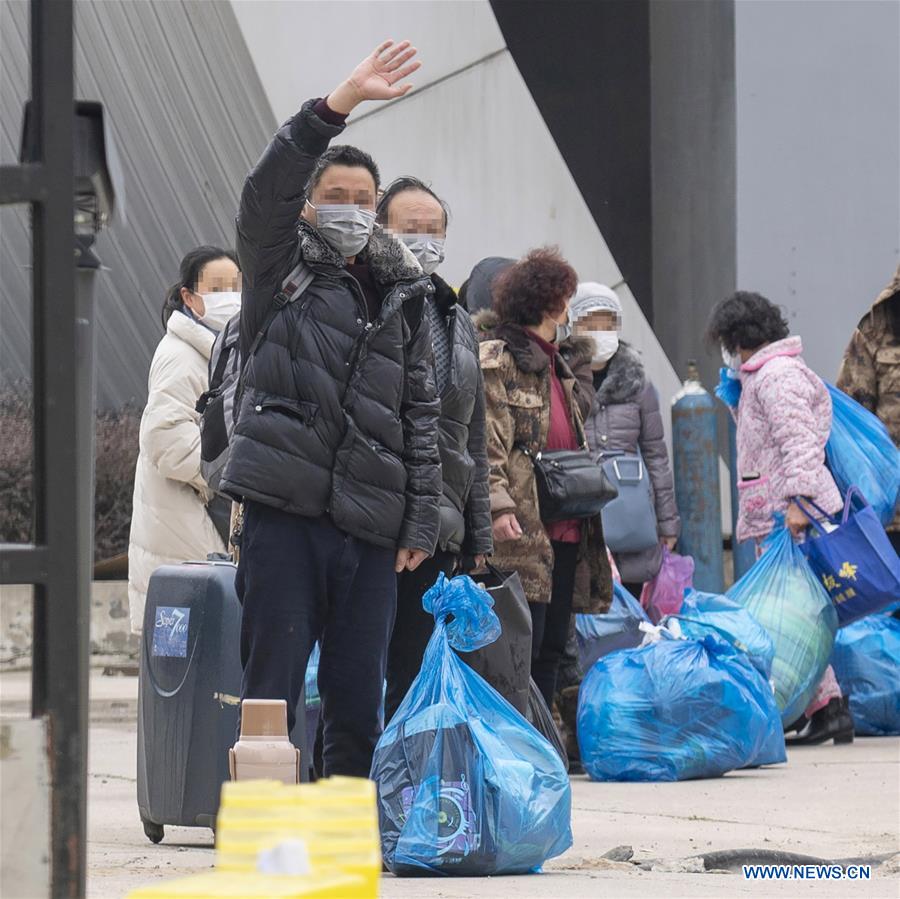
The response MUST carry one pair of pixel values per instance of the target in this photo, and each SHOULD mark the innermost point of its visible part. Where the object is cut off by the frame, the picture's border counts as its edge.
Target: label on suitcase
(170, 632)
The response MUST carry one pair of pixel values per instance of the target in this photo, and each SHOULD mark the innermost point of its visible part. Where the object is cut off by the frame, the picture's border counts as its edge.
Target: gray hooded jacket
(625, 416)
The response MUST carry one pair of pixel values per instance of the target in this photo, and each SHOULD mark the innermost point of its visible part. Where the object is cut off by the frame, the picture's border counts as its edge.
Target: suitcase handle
(154, 682)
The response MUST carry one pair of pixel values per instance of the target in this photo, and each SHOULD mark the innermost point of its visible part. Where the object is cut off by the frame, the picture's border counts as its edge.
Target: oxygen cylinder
(696, 463)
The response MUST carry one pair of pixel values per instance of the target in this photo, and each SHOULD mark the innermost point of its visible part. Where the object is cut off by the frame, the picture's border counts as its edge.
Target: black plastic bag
(541, 719)
(506, 663)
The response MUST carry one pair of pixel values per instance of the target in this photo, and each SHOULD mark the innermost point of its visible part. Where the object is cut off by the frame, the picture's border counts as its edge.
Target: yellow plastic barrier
(238, 885)
(335, 820)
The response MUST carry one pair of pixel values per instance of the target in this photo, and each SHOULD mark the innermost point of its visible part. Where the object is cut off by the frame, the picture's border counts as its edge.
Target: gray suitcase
(190, 681)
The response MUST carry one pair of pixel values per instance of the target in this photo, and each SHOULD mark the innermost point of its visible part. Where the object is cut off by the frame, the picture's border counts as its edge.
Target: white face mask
(220, 308)
(428, 250)
(346, 226)
(732, 360)
(606, 343)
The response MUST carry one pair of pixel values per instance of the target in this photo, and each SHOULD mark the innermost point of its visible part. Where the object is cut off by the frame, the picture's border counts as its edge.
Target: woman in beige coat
(170, 521)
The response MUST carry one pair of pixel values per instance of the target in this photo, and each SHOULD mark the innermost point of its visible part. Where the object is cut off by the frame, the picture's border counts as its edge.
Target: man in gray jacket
(413, 213)
(334, 451)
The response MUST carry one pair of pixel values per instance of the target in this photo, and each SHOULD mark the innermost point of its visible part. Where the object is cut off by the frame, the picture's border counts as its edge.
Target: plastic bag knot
(465, 610)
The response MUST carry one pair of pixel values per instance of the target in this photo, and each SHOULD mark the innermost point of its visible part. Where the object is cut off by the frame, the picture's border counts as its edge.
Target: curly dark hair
(540, 284)
(745, 321)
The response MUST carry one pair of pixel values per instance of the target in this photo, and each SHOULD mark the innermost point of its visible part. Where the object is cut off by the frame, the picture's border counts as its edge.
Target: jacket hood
(188, 329)
(476, 292)
(790, 347)
(625, 378)
(389, 259)
(892, 288)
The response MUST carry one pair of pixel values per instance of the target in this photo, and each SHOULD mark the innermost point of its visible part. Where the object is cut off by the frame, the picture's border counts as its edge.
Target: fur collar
(625, 378)
(444, 297)
(485, 321)
(577, 350)
(530, 358)
(390, 260)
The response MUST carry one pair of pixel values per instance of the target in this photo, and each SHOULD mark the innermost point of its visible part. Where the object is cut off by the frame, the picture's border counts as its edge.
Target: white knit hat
(593, 297)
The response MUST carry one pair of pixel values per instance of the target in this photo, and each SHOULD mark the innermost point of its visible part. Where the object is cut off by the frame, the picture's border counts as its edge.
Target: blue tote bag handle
(853, 493)
(855, 562)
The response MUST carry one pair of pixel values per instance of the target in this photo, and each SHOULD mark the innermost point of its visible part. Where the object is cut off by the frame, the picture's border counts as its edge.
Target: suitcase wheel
(155, 832)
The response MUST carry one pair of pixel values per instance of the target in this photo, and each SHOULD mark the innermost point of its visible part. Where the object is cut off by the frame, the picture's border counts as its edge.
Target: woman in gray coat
(625, 417)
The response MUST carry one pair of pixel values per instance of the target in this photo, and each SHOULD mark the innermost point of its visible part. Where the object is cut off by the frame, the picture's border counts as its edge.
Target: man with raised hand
(335, 448)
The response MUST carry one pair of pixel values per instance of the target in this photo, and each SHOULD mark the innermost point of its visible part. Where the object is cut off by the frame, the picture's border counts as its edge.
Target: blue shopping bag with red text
(855, 562)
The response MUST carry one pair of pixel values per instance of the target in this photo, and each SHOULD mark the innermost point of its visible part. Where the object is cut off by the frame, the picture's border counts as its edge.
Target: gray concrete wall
(818, 161)
(110, 628)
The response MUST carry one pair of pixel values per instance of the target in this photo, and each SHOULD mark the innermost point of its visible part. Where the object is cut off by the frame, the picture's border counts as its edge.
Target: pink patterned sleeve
(793, 407)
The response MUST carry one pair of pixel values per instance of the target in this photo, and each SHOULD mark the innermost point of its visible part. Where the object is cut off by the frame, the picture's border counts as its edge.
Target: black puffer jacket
(466, 504)
(338, 414)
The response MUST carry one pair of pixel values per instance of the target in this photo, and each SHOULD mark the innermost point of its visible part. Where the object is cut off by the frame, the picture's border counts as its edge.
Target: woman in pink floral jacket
(783, 423)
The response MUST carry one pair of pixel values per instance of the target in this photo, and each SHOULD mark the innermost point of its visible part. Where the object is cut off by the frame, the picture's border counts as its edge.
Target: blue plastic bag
(866, 662)
(313, 699)
(465, 784)
(619, 628)
(856, 562)
(705, 613)
(783, 594)
(861, 453)
(675, 710)
(728, 390)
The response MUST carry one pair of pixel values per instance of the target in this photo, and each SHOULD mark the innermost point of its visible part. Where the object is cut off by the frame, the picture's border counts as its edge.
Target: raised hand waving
(377, 77)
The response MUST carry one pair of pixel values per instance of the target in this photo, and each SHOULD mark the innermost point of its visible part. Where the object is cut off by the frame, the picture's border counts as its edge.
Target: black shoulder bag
(570, 484)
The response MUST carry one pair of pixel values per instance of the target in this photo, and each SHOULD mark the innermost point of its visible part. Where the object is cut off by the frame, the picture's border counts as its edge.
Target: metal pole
(62, 451)
(744, 553)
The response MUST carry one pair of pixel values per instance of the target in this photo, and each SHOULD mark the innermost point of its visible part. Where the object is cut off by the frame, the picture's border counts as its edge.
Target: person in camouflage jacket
(870, 371)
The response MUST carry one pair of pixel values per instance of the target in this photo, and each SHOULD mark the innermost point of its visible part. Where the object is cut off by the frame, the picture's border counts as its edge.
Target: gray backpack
(218, 405)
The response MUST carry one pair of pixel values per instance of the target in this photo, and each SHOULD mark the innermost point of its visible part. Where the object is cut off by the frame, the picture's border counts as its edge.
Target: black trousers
(413, 627)
(550, 622)
(301, 580)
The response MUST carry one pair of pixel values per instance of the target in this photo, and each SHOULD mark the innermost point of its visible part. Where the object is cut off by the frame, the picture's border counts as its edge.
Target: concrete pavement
(831, 802)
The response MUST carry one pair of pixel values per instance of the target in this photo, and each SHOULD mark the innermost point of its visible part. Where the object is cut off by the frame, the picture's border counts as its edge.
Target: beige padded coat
(169, 522)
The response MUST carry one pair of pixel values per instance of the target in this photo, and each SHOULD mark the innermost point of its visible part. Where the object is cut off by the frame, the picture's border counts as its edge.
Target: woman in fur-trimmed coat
(532, 401)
